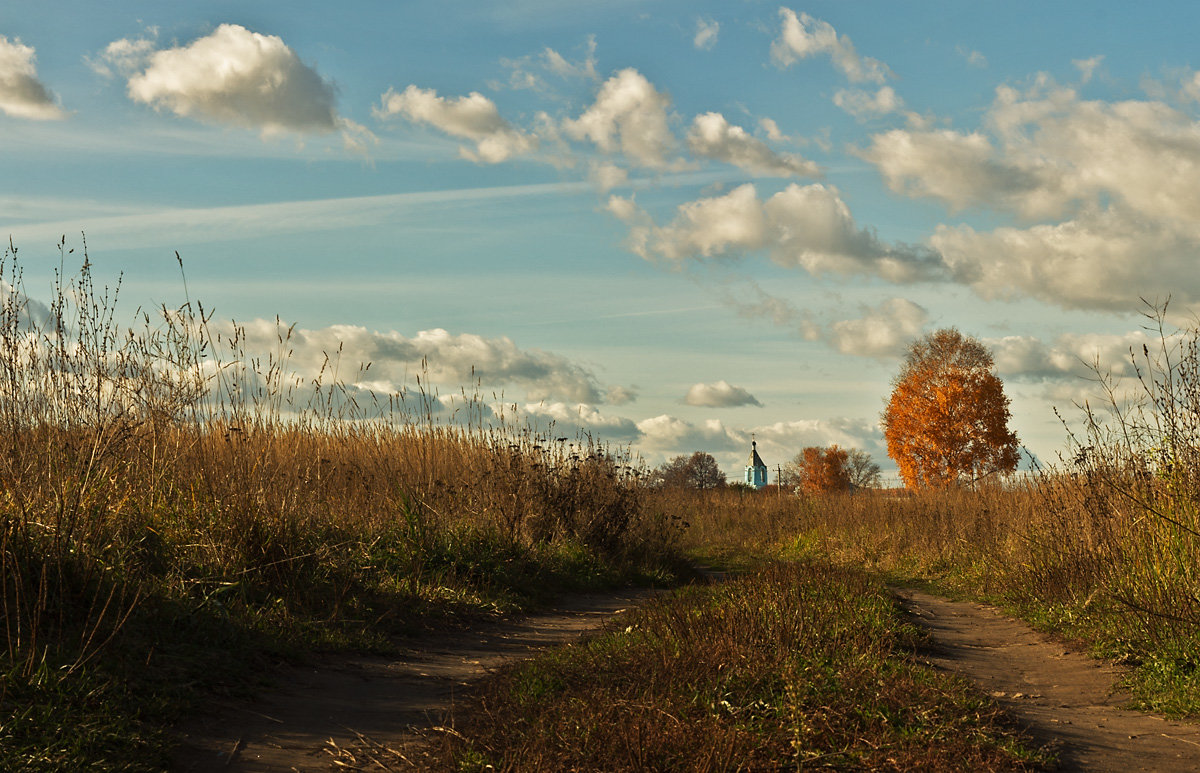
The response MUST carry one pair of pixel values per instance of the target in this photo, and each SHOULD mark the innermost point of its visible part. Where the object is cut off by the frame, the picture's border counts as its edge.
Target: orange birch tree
(947, 419)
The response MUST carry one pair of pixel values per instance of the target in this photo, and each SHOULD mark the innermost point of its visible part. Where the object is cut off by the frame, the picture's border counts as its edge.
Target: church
(756, 471)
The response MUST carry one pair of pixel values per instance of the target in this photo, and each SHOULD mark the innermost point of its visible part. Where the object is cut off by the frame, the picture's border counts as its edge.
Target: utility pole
(779, 479)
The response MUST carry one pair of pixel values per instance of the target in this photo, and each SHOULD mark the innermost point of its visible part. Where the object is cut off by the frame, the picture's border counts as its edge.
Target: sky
(675, 225)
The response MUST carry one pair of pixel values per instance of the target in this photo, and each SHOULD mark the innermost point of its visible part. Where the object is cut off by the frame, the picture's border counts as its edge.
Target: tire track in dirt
(1064, 698)
(366, 703)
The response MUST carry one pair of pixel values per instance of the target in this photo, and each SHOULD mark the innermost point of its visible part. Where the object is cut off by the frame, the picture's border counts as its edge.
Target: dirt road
(360, 708)
(1065, 698)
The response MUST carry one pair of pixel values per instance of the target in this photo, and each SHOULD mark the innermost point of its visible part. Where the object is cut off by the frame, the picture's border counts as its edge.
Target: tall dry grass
(164, 488)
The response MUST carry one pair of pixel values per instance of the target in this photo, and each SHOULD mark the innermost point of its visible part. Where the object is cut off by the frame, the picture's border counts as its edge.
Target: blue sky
(673, 224)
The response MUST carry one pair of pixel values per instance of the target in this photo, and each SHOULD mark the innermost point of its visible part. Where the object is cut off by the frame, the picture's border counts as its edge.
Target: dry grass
(792, 667)
(1105, 547)
(172, 508)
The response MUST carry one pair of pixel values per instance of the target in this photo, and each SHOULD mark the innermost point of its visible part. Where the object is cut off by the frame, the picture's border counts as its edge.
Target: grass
(789, 667)
(1103, 548)
(177, 512)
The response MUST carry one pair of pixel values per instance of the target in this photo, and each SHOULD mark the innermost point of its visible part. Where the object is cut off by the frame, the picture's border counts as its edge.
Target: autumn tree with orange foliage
(947, 420)
(821, 470)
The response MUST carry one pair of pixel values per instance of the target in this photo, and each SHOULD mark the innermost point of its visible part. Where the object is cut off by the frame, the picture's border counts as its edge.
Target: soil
(364, 712)
(1064, 699)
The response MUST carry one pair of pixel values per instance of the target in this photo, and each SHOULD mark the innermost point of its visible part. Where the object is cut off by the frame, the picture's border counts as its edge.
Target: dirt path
(356, 709)
(1065, 698)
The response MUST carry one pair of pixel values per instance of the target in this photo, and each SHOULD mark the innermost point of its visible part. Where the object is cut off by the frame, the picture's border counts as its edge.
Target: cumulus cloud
(720, 394)
(437, 356)
(607, 176)
(123, 57)
(22, 94)
(573, 419)
(960, 169)
(803, 36)
(675, 435)
(1102, 259)
(620, 395)
(1070, 356)
(473, 117)
(863, 104)
(712, 136)
(232, 76)
(805, 227)
(883, 331)
(628, 116)
(706, 34)
(1050, 154)
(1109, 186)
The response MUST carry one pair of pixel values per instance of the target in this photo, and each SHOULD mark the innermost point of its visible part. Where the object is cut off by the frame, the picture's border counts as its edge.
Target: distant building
(756, 471)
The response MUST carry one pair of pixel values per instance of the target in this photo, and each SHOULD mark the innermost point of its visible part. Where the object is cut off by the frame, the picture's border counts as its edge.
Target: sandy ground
(359, 711)
(1063, 697)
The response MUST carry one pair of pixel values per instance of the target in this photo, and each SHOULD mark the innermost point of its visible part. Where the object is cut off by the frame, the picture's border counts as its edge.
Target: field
(175, 514)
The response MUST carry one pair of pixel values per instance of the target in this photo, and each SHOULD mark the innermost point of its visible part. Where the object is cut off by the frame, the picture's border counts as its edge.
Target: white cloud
(714, 137)
(803, 36)
(734, 222)
(1112, 184)
(473, 117)
(771, 129)
(1053, 153)
(1087, 67)
(862, 104)
(25, 312)
(572, 419)
(620, 395)
(1103, 259)
(125, 56)
(973, 57)
(783, 440)
(720, 394)
(671, 434)
(807, 227)
(232, 76)
(607, 176)
(665, 436)
(629, 116)
(449, 360)
(706, 34)
(1071, 356)
(960, 169)
(883, 331)
(22, 94)
(527, 71)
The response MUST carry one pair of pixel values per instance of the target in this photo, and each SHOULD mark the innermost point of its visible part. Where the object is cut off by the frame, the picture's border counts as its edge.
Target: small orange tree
(819, 470)
(947, 420)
